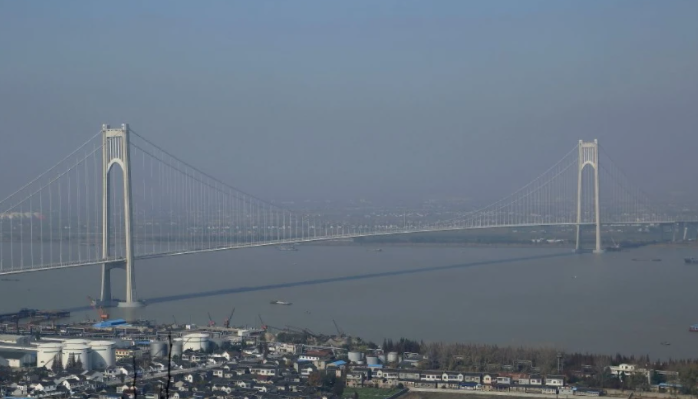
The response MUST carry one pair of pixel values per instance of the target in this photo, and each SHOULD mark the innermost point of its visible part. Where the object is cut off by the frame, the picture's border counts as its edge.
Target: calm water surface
(518, 296)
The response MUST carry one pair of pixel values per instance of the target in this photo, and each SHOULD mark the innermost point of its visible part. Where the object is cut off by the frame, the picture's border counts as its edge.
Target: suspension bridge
(120, 198)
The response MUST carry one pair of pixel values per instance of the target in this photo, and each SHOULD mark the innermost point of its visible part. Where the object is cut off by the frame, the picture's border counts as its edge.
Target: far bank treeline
(581, 369)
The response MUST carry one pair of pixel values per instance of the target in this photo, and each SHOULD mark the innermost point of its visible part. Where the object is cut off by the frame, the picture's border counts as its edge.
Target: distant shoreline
(663, 245)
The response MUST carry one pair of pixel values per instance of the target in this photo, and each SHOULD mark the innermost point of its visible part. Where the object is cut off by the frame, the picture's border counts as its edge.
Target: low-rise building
(128, 353)
(264, 370)
(554, 380)
(472, 377)
(388, 374)
(17, 358)
(452, 377)
(622, 368)
(489, 379)
(408, 375)
(15, 339)
(431, 376)
(503, 380)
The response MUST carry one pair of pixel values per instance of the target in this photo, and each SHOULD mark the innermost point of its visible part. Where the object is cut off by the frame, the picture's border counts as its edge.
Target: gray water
(518, 296)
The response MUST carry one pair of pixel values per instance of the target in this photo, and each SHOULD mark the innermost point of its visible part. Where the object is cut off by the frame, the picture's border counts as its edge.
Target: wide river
(517, 296)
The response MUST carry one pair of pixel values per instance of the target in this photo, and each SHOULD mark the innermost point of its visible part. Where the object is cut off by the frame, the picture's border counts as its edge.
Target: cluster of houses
(512, 382)
(245, 374)
(279, 370)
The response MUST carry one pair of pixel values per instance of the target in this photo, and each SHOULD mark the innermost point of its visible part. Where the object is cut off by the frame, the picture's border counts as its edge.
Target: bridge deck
(67, 265)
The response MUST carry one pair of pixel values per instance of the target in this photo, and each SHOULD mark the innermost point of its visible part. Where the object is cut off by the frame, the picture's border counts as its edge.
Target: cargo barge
(691, 261)
(693, 328)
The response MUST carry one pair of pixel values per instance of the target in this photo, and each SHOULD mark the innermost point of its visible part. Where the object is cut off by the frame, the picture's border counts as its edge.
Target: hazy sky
(373, 99)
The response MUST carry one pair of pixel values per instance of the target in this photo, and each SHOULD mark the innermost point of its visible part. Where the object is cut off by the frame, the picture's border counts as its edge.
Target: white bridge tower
(116, 151)
(589, 155)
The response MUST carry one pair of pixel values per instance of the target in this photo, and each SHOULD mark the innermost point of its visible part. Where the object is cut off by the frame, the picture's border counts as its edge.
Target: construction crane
(264, 326)
(98, 308)
(267, 326)
(211, 323)
(340, 332)
(227, 321)
(302, 330)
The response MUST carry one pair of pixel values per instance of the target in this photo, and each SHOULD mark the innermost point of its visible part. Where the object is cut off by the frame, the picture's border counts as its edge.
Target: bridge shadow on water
(237, 290)
(357, 277)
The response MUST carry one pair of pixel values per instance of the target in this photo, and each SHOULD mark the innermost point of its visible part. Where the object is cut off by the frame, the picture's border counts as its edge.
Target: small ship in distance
(287, 248)
(281, 303)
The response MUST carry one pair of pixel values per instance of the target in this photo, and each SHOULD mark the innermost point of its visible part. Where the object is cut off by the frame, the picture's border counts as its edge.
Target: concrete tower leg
(105, 296)
(589, 155)
(128, 224)
(578, 245)
(116, 150)
(597, 207)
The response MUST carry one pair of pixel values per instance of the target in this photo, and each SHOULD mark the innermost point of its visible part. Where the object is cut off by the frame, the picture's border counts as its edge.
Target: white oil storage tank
(371, 360)
(76, 341)
(355, 356)
(158, 349)
(102, 354)
(392, 357)
(78, 352)
(195, 342)
(177, 347)
(46, 353)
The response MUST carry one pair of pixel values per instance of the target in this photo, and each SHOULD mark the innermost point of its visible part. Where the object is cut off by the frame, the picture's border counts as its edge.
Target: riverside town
(114, 359)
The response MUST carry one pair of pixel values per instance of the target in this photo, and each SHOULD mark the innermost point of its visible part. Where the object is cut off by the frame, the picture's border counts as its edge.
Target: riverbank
(425, 393)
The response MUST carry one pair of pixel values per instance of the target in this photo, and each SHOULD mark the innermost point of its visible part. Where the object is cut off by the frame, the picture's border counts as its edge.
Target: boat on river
(291, 248)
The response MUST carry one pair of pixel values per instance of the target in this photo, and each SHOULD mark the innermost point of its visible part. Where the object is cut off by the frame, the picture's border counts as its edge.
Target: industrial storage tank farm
(158, 349)
(195, 342)
(102, 354)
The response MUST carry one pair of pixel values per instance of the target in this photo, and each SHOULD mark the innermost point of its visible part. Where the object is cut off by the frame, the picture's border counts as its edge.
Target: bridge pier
(106, 299)
(578, 245)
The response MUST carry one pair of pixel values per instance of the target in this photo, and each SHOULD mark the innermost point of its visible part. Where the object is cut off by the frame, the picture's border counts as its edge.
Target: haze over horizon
(379, 100)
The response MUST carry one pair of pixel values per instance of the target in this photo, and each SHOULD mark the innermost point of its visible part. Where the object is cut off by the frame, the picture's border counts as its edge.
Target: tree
(638, 382)
(78, 364)
(656, 378)
(338, 387)
(263, 344)
(70, 366)
(688, 378)
(57, 365)
(601, 367)
(315, 379)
